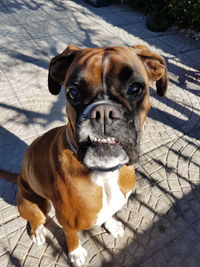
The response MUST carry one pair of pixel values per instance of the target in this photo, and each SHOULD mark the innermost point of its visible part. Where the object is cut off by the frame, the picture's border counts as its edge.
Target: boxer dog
(85, 168)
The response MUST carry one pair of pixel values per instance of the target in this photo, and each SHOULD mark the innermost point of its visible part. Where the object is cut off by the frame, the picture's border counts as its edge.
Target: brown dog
(85, 168)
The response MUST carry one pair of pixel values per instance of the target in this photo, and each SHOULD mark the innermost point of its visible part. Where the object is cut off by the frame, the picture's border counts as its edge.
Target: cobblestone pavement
(162, 217)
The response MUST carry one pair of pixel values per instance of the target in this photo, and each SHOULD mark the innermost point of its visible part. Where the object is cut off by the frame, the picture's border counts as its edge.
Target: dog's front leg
(76, 253)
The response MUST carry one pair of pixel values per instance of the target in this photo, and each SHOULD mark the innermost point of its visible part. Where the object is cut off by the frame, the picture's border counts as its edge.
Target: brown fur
(126, 179)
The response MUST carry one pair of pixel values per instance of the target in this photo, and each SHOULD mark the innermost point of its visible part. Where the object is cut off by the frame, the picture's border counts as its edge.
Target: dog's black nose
(105, 114)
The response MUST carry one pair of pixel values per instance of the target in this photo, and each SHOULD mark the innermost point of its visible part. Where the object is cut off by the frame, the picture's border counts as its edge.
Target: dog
(86, 168)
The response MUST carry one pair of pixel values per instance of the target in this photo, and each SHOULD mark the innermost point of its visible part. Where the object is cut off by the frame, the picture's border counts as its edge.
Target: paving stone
(14, 225)
(123, 214)
(148, 263)
(13, 238)
(96, 260)
(11, 34)
(9, 213)
(4, 245)
(19, 253)
(37, 251)
(170, 250)
(160, 259)
(5, 259)
(47, 262)
(91, 248)
(2, 231)
(53, 250)
(30, 262)
(191, 262)
(63, 260)
(25, 239)
(179, 42)
(176, 261)
(109, 240)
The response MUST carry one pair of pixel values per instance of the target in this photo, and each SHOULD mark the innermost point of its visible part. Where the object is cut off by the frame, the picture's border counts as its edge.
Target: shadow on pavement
(168, 239)
(11, 161)
(37, 118)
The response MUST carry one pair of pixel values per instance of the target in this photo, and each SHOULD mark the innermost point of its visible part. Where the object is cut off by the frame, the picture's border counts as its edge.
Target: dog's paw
(39, 237)
(114, 227)
(77, 256)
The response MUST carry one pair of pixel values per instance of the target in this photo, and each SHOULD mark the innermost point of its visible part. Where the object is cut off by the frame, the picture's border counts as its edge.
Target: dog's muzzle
(104, 135)
(99, 114)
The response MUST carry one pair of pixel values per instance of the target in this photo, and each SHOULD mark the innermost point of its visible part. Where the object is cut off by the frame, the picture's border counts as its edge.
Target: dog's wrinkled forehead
(104, 69)
(94, 66)
(86, 70)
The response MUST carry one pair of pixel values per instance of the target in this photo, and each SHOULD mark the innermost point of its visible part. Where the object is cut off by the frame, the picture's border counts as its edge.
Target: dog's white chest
(113, 198)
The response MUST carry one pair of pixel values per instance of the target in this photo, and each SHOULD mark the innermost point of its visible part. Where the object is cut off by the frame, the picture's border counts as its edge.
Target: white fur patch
(106, 162)
(114, 227)
(105, 64)
(113, 198)
(40, 235)
(77, 256)
(85, 130)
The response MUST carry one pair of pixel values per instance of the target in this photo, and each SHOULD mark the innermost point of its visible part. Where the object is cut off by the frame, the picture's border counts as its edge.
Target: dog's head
(107, 91)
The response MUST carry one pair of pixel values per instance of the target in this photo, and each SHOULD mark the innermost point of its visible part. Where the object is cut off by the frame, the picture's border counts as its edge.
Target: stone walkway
(162, 217)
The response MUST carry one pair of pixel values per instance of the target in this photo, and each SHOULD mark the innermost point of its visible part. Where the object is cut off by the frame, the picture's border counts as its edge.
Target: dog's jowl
(85, 168)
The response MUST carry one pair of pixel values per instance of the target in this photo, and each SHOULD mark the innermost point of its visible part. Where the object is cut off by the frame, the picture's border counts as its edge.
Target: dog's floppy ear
(155, 66)
(58, 67)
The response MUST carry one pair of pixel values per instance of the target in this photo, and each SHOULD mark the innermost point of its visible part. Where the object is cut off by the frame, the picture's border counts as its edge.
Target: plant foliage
(182, 13)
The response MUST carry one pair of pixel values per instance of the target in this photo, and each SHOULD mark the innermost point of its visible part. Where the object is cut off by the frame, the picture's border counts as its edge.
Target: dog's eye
(73, 94)
(135, 89)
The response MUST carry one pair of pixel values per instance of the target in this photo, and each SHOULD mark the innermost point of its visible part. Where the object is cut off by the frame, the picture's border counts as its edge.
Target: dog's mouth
(102, 153)
(106, 146)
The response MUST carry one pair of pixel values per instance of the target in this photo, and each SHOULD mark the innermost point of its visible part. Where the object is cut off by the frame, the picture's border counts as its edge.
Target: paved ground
(162, 218)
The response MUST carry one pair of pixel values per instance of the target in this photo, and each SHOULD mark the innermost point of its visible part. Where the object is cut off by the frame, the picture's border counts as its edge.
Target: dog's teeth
(112, 140)
(109, 140)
